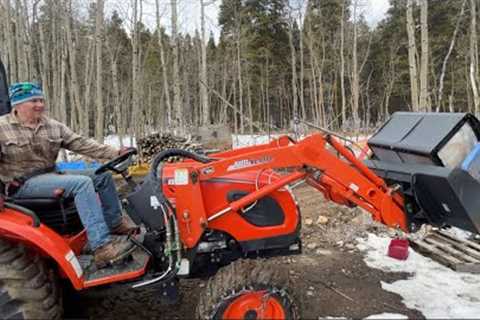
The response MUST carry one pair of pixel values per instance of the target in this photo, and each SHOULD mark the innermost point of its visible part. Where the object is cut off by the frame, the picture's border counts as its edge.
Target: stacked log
(151, 145)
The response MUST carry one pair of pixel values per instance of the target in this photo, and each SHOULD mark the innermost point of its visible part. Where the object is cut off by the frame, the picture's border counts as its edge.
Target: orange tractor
(207, 215)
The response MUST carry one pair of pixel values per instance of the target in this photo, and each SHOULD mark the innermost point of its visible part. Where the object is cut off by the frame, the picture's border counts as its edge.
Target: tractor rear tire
(248, 289)
(27, 289)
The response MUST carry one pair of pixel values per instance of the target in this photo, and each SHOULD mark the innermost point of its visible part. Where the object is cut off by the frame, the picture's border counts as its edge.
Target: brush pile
(151, 145)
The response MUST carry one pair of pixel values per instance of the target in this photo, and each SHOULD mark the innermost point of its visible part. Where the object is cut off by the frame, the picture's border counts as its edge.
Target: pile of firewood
(153, 144)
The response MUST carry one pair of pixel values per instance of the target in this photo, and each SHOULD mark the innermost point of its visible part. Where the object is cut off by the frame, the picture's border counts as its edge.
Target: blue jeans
(99, 214)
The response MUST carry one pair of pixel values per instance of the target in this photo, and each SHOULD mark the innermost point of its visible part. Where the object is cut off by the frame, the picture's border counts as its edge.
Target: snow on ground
(462, 234)
(387, 316)
(433, 289)
(381, 316)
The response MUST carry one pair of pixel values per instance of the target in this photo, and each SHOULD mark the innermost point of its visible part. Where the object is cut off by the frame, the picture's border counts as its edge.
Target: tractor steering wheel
(119, 164)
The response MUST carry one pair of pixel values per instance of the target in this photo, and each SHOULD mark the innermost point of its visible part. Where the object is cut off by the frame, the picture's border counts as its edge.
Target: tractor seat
(56, 212)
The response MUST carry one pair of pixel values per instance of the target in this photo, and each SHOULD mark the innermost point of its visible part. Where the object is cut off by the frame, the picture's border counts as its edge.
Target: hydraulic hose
(170, 153)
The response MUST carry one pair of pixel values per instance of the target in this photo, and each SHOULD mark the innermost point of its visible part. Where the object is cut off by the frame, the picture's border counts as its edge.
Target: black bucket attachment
(441, 139)
(425, 153)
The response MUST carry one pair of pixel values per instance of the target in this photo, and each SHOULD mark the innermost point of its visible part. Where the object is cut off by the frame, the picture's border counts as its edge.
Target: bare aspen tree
(177, 106)
(135, 69)
(313, 76)
(166, 86)
(56, 57)
(447, 56)
(12, 57)
(424, 95)
(302, 67)
(44, 66)
(355, 73)
(22, 64)
(62, 101)
(118, 112)
(72, 59)
(100, 108)
(27, 41)
(474, 56)
(293, 65)
(3, 34)
(412, 60)
(250, 109)
(391, 75)
(342, 65)
(239, 72)
(88, 76)
(203, 73)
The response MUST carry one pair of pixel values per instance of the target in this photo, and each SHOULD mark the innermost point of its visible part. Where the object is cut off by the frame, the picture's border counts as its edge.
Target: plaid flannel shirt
(24, 150)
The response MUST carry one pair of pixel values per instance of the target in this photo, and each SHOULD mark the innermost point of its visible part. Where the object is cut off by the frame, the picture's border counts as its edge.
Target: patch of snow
(114, 141)
(387, 316)
(433, 289)
(459, 233)
(246, 140)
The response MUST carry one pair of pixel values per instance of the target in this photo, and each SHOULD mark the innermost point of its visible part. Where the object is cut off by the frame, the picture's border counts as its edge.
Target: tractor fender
(19, 227)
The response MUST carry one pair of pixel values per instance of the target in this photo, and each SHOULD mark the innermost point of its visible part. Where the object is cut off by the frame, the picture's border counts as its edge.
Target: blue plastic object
(471, 164)
(77, 165)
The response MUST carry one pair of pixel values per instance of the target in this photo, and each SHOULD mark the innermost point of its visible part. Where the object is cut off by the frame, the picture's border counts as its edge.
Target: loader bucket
(430, 155)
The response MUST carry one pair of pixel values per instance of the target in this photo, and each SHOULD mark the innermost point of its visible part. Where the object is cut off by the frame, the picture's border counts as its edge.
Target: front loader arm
(323, 162)
(344, 180)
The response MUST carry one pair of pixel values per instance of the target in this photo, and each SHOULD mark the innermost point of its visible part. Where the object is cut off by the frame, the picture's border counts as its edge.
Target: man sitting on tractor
(30, 143)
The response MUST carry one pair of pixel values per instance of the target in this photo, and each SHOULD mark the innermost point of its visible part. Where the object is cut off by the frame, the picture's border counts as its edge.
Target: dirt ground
(329, 279)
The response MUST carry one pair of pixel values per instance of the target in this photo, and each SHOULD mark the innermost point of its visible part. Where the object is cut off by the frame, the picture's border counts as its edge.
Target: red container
(398, 249)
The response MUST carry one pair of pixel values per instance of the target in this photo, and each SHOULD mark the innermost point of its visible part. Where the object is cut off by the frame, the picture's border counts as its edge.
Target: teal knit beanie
(23, 92)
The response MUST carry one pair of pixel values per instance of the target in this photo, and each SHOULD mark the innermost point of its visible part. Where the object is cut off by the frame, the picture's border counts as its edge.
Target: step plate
(451, 251)
(131, 268)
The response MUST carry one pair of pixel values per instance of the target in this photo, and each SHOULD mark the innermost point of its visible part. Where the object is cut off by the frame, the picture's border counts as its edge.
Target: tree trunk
(294, 69)
(22, 63)
(240, 84)
(302, 73)
(12, 57)
(450, 49)
(87, 99)
(424, 96)
(72, 55)
(473, 56)
(100, 112)
(135, 72)
(203, 73)
(177, 106)
(355, 75)
(342, 65)
(44, 63)
(166, 87)
(412, 60)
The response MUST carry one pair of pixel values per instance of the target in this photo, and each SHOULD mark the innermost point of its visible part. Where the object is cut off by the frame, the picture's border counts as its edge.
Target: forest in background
(319, 60)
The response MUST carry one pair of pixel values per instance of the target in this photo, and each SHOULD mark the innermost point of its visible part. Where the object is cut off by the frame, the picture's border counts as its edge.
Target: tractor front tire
(27, 289)
(248, 289)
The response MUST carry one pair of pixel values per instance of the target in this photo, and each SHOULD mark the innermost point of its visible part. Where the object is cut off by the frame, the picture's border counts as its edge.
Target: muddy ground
(330, 278)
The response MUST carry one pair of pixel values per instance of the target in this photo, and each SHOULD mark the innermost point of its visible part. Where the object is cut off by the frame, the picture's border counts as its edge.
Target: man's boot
(115, 250)
(126, 227)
